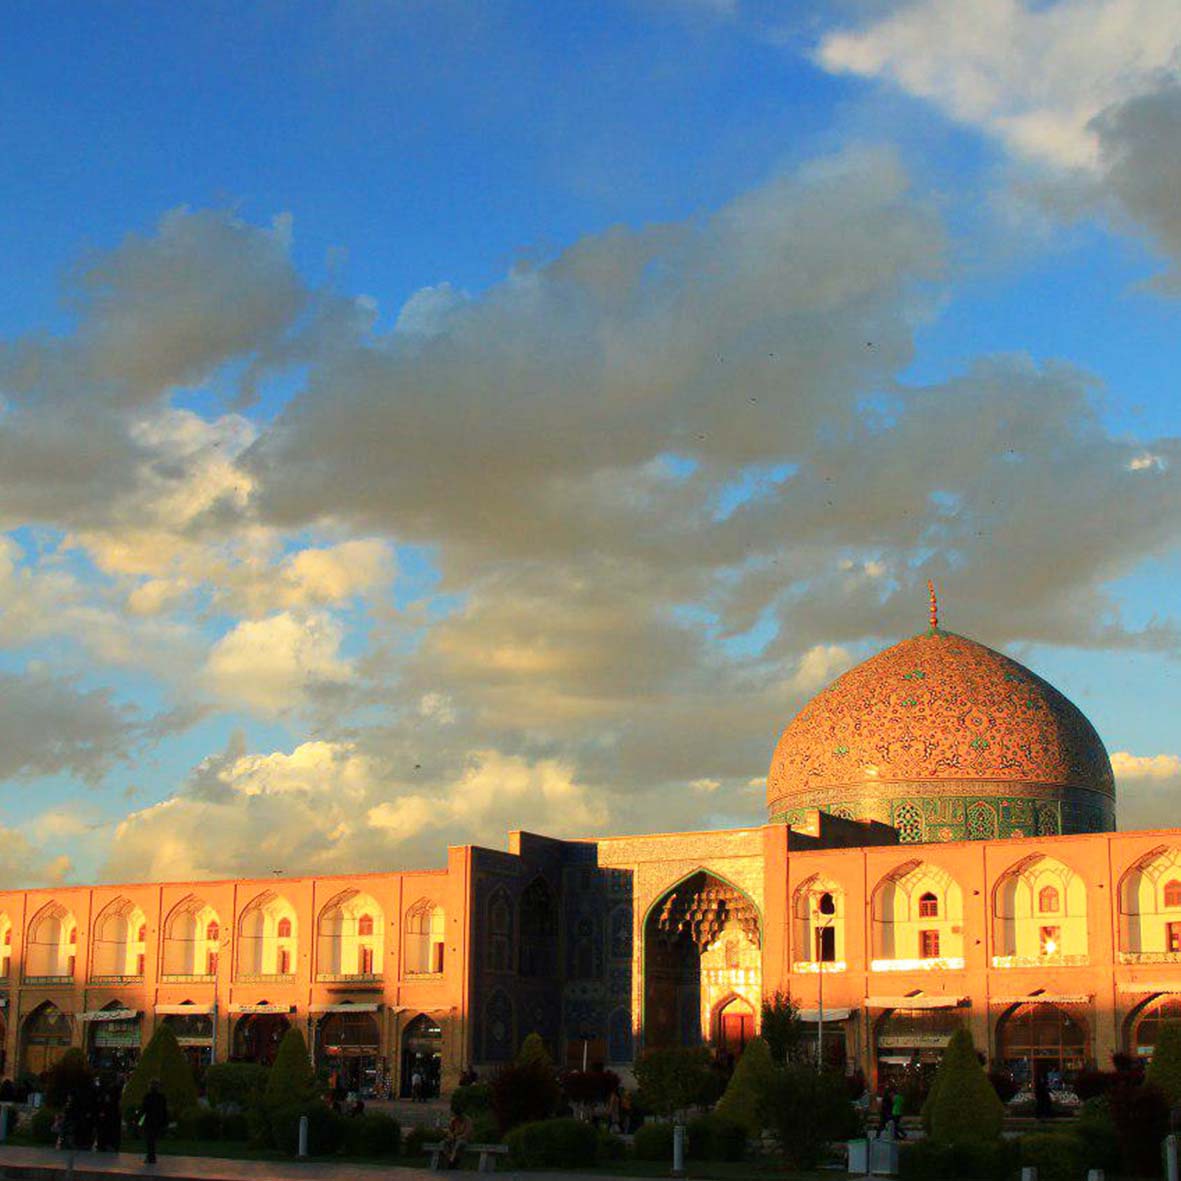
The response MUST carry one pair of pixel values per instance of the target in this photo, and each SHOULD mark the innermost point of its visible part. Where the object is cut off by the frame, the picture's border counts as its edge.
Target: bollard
(678, 1150)
(1029, 1173)
(4, 1110)
(303, 1137)
(1094, 1175)
(1171, 1158)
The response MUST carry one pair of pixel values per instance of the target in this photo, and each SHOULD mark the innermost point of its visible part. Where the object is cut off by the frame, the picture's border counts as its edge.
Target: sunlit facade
(964, 874)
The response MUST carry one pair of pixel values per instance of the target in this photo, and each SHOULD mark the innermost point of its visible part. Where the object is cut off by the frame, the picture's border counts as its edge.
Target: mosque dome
(944, 739)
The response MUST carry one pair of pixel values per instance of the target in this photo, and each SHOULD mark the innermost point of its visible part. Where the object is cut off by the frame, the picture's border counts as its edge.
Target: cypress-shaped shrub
(291, 1079)
(1164, 1071)
(962, 1105)
(745, 1099)
(162, 1059)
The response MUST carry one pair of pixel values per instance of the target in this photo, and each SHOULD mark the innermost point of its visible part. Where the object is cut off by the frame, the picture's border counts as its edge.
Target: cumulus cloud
(1148, 788)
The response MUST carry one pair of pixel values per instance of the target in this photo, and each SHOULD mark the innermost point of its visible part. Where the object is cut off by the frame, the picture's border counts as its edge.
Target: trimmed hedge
(553, 1143)
(420, 1135)
(1057, 1156)
(324, 1128)
(41, 1126)
(1164, 1071)
(653, 1142)
(982, 1160)
(237, 1084)
(199, 1123)
(472, 1100)
(716, 1137)
(745, 1096)
(375, 1134)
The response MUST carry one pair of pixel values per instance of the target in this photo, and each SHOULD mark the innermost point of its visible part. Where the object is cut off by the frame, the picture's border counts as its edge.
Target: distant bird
(418, 766)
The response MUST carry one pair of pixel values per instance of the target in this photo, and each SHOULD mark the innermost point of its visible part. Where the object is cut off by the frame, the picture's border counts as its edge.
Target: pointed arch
(118, 948)
(425, 939)
(1150, 907)
(818, 922)
(1026, 930)
(268, 934)
(192, 940)
(350, 936)
(45, 1035)
(917, 910)
(537, 926)
(500, 930)
(5, 945)
(51, 946)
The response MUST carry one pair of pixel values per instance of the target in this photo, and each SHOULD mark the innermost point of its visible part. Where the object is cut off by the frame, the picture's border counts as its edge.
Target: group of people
(92, 1118)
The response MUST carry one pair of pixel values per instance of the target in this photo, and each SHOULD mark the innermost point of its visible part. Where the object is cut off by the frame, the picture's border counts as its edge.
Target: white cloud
(1034, 75)
(1130, 766)
(273, 665)
(818, 666)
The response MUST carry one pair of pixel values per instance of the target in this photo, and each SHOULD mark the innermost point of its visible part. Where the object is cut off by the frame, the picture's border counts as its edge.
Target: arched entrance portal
(1033, 1039)
(422, 1055)
(257, 1037)
(347, 1046)
(734, 1025)
(702, 955)
(45, 1038)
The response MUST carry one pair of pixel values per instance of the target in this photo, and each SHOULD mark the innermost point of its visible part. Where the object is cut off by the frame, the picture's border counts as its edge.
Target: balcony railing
(188, 978)
(266, 977)
(1057, 960)
(944, 963)
(348, 978)
(51, 981)
(1149, 957)
(814, 966)
(115, 979)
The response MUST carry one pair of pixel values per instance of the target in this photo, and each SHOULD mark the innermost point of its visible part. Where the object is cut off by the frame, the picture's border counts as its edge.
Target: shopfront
(1146, 1023)
(1045, 1036)
(194, 1026)
(347, 1042)
(911, 1033)
(114, 1035)
(828, 1031)
(258, 1030)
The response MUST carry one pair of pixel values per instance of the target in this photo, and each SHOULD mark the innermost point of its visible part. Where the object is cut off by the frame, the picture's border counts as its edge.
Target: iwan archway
(702, 962)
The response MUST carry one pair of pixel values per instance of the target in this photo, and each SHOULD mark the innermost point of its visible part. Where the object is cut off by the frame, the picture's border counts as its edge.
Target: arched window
(425, 938)
(500, 932)
(1173, 893)
(365, 925)
(1047, 900)
(928, 906)
(537, 952)
(283, 930)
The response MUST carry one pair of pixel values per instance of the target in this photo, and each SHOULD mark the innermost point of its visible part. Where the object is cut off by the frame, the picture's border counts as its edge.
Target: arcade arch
(351, 937)
(818, 908)
(267, 937)
(1041, 1038)
(192, 939)
(52, 946)
(426, 939)
(1143, 1026)
(5, 946)
(1039, 915)
(120, 939)
(1150, 907)
(46, 1034)
(918, 919)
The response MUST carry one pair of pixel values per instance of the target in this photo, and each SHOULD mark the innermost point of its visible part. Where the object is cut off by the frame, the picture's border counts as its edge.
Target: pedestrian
(153, 1118)
(885, 1111)
(896, 1115)
(416, 1086)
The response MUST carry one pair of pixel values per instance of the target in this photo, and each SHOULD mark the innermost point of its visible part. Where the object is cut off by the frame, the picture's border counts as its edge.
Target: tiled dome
(945, 739)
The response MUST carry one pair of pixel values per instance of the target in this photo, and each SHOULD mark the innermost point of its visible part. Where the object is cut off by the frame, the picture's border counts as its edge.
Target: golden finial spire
(934, 606)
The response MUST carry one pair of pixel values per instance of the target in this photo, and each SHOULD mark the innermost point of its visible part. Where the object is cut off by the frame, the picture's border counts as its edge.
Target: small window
(8, 937)
(366, 964)
(365, 925)
(929, 945)
(1173, 937)
(827, 904)
(437, 958)
(284, 929)
(213, 931)
(826, 945)
(284, 962)
(1173, 893)
(1047, 900)
(72, 937)
(139, 964)
(1050, 940)
(211, 963)
(928, 906)
(142, 933)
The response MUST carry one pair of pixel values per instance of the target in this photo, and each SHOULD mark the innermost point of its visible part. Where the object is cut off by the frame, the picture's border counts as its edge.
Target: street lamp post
(828, 910)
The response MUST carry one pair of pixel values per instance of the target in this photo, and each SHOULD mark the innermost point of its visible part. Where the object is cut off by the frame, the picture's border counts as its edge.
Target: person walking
(154, 1118)
(885, 1111)
(896, 1115)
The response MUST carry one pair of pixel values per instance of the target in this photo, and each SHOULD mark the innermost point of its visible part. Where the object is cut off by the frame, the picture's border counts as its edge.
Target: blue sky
(281, 563)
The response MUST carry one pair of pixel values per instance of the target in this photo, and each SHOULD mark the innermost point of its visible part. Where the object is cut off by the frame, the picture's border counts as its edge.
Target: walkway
(48, 1164)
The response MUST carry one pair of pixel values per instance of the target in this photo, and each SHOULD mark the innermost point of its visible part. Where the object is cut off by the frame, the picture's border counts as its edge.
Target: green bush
(375, 1134)
(1164, 1071)
(235, 1126)
(472, 1100)
(523, 1093)
(653, 1142)
(611, 1147)
(962, 1104)
(1096, 1129)
(324, 1128)
(1140, 1113)
(809, 1110)
(41, 1126)
(235, 1084)
(162, 1059)
(1057, 1156)
(981, 1160)
(419, 1135)
(533, 1052)
(485, 1129)
(553, 1143)
(199, 1123)
(291, 1079)
(717, 1137)
(67, 1076)
(745, 1097)
(673, 1079)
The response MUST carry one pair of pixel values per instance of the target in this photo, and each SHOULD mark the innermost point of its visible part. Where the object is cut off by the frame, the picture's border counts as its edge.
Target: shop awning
(915, 1002)
(263, 1007)
(109, 1015)
(344, 1007)
(1044, 998)
(185, 1010)
(813, 1015)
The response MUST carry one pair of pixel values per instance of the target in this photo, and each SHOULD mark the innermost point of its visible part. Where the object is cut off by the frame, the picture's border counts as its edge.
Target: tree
(809, 1109)
(962, 1105)
(1164, 1071)
(533, 1052)
(782, 1028)
(673, 1079)
(291, 1079)
(162, 1059)
(745, 1099)
(67, 1076)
